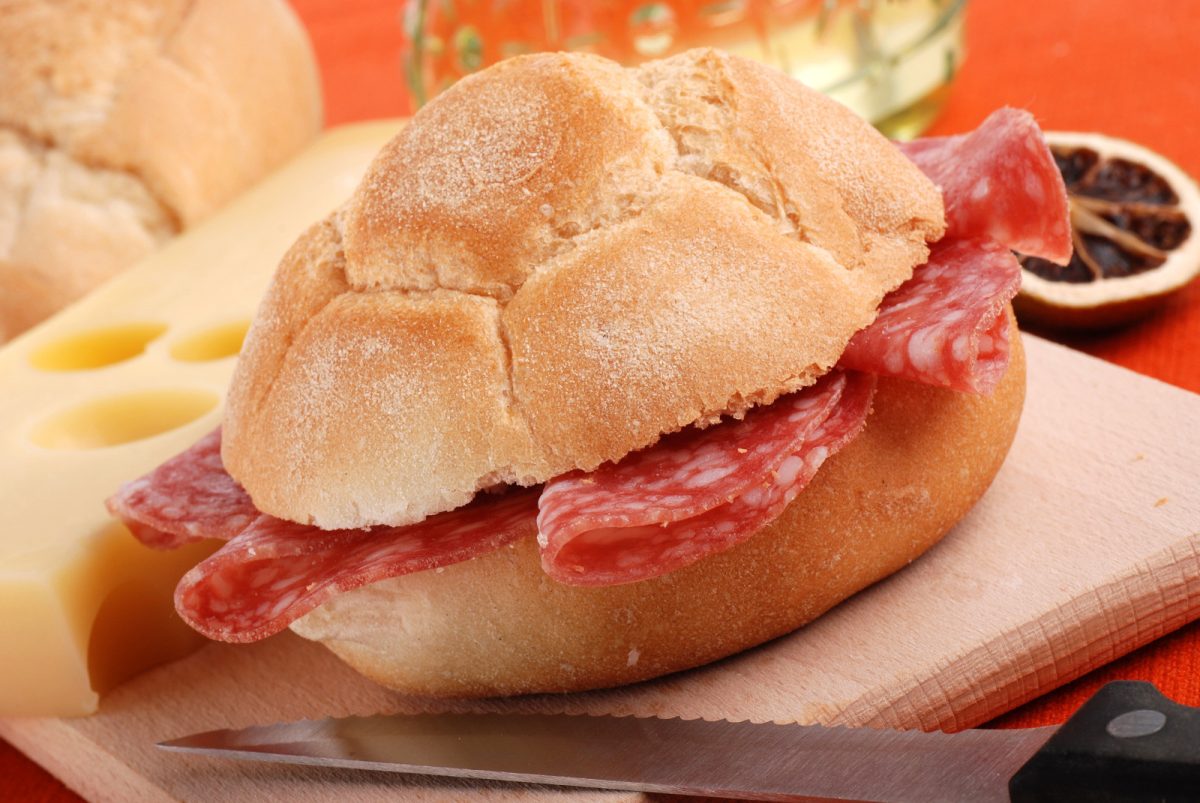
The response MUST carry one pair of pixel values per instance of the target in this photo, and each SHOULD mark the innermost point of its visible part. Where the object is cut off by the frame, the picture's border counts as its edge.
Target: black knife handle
(1127, 743)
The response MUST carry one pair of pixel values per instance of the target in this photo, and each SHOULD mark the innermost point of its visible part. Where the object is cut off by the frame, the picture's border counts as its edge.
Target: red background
(1126, 68)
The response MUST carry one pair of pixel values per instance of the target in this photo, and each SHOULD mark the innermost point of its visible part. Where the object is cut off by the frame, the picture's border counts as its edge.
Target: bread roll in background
(123, 123)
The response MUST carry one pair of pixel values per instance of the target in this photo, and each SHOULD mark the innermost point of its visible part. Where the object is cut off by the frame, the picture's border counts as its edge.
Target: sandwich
(604, 373)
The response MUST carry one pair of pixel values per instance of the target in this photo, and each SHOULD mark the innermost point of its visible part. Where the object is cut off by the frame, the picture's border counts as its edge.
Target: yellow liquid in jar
(888, 60)
(892, 62)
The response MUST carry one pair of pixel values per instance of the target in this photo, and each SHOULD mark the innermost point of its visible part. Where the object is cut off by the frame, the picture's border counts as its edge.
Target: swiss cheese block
(101, 394)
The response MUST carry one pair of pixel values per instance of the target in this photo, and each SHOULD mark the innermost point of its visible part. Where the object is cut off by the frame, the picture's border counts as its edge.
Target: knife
(1126, 743)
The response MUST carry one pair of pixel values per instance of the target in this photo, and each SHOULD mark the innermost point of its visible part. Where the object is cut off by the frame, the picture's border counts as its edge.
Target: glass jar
(890, 60)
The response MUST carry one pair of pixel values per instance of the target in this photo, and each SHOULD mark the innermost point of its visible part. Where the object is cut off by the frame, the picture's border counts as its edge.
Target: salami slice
(696, 492)
(944, 325)
(1000, 182)
(276, 571)
(188, 498)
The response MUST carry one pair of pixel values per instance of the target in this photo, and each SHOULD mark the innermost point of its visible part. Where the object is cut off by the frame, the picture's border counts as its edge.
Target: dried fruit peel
(1114, 300)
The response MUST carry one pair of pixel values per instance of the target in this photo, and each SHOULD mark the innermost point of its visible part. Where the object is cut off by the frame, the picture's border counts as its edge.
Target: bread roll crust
(121, 123)
(497, 625)
(635, 280)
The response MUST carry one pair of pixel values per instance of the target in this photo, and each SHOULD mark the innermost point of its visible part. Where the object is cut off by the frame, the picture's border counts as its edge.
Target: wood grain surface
(1086, 546)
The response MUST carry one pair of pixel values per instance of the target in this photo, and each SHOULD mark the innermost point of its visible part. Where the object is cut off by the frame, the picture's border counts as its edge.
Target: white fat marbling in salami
(188, 498)
(945, 326)
(275, 571)
(1000, 182)
(697, 492)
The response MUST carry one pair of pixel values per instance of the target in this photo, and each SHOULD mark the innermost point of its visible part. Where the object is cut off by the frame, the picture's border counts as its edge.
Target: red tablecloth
(1124, 67)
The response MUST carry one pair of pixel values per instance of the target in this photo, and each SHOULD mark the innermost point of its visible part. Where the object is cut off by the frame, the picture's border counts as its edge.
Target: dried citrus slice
(1132, 218)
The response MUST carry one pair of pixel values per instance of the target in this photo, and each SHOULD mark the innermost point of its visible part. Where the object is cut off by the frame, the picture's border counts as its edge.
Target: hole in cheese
(121, 419)
(96, 348)
(135, 626)
(211, 344)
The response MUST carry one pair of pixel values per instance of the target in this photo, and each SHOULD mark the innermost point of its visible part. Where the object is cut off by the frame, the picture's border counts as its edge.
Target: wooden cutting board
(1085, 547)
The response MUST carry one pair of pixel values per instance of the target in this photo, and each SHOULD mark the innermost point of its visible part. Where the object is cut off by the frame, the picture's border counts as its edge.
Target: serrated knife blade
(1126, 743)
(692, 757)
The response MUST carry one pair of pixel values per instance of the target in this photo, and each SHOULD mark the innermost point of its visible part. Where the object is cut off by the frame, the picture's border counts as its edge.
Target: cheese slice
(102, 393)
